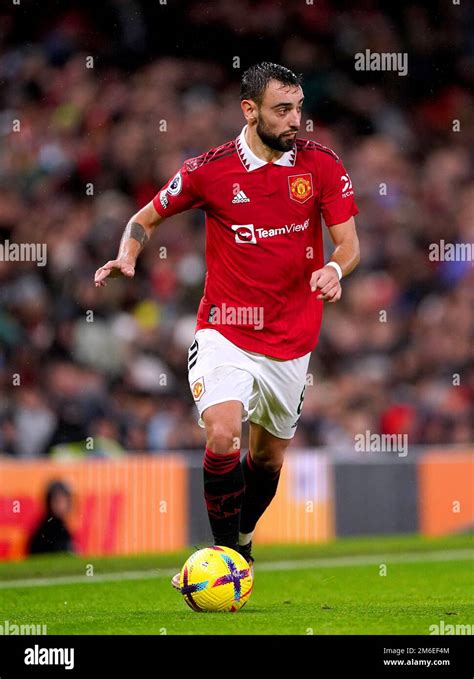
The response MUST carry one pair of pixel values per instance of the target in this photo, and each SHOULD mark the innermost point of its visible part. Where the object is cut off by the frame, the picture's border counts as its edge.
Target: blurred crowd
(84, 143)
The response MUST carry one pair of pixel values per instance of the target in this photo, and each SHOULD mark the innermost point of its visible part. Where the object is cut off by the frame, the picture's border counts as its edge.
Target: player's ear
(249, 109)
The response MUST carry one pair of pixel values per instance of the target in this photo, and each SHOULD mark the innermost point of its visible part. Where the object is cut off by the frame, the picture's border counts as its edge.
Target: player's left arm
(346, 256)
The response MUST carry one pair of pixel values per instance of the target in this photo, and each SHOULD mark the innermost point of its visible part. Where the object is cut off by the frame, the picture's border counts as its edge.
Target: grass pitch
(396, 585)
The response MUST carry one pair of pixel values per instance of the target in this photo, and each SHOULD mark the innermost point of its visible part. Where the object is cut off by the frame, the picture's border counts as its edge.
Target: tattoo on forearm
(137, 232)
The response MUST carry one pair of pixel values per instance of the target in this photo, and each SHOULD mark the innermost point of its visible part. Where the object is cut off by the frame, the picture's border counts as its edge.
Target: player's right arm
(136, 235)
(179, 194)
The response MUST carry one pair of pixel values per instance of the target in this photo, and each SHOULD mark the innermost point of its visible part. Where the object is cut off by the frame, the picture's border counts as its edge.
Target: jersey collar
(251, 162)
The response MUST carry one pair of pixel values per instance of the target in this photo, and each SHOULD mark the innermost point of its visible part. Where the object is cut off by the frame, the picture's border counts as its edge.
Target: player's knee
(270, 464)
(222, 438)
(272, 467)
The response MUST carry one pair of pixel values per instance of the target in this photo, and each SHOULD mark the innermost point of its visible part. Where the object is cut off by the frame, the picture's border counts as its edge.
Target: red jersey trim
(353, 213)
(217, 153)
(309, 145)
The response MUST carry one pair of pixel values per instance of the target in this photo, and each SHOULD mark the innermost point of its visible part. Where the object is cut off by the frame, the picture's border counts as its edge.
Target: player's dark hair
(256, 78)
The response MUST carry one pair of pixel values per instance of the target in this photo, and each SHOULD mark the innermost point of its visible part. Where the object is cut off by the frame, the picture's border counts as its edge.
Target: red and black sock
(260, 489)
(223, 491)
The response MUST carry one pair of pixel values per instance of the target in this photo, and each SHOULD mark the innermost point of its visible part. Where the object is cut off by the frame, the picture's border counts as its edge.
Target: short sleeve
(177, 195)
(337, 194)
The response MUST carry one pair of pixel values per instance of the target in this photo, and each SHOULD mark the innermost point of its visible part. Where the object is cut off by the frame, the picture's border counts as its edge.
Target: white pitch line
(330, 562)
(369, 560)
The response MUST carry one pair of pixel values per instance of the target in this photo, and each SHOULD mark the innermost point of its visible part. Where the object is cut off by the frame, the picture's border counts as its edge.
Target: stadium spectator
(52, 533)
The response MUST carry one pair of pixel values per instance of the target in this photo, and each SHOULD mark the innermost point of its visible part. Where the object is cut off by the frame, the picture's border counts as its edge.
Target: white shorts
(270, 390)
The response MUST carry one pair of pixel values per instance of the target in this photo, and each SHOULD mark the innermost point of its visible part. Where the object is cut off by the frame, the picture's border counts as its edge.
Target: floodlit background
(100, 104)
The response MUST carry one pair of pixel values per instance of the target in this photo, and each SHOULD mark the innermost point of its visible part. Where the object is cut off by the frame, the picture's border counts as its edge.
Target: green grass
(344, 599)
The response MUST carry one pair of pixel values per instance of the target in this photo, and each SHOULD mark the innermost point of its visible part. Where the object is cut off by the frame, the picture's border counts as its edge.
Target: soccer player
(264, 194)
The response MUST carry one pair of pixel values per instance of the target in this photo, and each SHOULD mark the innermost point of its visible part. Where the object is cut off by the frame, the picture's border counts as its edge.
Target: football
(216, 579)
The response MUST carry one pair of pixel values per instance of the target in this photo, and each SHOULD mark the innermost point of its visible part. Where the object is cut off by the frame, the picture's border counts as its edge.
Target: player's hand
(327, 281)
(114, 268)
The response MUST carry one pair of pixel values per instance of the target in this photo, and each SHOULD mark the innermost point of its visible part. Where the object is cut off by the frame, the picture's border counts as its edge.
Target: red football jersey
(263, 239)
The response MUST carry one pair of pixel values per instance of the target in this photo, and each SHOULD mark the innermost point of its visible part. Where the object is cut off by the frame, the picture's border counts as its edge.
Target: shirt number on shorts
(300, 404)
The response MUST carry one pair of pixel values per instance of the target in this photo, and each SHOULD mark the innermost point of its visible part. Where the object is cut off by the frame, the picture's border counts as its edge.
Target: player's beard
(273, 141)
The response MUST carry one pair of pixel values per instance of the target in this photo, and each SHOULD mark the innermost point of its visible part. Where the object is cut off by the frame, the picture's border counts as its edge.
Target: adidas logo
(240, 198)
